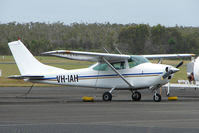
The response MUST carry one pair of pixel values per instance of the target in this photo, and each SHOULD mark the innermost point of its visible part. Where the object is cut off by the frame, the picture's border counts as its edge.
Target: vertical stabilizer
(27, 63)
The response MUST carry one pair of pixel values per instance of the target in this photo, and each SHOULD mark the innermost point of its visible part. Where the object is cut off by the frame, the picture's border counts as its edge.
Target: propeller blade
(180, 64)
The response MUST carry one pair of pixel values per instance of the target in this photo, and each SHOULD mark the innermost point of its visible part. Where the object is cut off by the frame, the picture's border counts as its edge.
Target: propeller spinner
(171, 70)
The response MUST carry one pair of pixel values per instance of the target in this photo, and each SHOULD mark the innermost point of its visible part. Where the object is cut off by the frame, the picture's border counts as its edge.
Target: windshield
(136, 60)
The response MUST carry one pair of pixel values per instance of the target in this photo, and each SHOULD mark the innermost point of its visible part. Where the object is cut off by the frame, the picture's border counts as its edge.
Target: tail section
(27, 63)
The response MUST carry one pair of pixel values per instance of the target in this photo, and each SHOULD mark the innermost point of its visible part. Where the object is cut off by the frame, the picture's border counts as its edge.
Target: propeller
(168, 73)
(180, 64)
(171, 70)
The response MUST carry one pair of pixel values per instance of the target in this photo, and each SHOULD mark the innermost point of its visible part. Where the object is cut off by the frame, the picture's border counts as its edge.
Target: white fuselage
(142, 76)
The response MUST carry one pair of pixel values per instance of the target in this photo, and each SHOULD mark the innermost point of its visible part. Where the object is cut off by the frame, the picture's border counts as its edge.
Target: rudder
(26, 62)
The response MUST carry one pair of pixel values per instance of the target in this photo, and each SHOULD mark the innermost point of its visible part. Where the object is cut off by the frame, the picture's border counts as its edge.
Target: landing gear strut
(136, 96)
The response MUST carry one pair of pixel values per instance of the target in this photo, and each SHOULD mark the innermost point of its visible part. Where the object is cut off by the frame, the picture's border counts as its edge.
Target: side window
(101, 67)
(132, 63)
(118, 65)
(105, 67)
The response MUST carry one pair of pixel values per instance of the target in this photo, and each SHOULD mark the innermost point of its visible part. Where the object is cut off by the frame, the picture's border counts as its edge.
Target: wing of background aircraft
(172, 86)
(94, 56)
(181, 86)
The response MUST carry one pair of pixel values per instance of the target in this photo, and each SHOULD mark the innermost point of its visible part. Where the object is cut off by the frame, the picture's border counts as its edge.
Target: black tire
(136, 96)
(157, 97)
(107, 96)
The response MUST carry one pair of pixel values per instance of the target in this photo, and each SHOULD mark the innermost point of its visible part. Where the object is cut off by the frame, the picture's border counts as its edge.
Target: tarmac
(61, 110)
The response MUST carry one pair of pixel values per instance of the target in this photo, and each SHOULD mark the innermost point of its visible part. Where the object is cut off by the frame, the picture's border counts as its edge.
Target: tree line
(128, 38)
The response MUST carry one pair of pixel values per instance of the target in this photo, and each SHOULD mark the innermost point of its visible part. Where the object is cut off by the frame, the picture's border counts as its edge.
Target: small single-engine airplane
(113, 71)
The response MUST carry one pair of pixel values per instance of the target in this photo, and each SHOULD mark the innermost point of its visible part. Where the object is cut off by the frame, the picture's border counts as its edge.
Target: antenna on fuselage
(115, 49)
(106, 50)
(118, 50)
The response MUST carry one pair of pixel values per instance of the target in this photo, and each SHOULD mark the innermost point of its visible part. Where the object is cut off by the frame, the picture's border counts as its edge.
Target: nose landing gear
(157, 97)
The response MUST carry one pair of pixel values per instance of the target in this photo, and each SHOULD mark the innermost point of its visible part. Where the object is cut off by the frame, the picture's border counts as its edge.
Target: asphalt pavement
(61, 110)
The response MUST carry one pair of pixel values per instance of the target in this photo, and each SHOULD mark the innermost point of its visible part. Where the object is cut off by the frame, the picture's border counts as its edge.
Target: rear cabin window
(118, 65)
(101, 67)
(105, 67)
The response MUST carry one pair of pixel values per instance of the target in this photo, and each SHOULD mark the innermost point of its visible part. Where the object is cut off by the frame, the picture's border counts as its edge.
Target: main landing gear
(107, 96)
(136, 96)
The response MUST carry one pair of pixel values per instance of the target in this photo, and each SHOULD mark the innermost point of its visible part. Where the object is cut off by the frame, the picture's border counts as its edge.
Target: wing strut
(121, 76)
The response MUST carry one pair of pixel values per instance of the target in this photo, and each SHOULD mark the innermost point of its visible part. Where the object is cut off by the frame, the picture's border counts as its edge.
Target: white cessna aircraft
(112, 71)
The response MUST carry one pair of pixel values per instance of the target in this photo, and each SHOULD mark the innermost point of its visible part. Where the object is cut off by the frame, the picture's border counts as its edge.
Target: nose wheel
(136, 96)
(157, 97)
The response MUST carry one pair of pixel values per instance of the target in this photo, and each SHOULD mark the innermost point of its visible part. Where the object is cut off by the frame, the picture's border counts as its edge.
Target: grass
(8, 67)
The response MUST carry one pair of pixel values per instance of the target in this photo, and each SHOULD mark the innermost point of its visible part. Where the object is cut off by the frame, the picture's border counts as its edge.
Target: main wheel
(107, 96)
(157, 97)
(136, 96)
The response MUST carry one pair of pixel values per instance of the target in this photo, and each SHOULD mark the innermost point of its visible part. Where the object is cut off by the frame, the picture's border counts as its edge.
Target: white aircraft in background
(112, 71)
(193, 70)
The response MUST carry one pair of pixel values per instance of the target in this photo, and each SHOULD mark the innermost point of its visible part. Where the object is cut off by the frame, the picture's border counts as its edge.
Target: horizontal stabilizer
(26, 77)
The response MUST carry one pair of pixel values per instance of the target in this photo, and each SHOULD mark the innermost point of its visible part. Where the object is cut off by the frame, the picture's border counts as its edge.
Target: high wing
(94, 56)
(87, 56)
(158, 56)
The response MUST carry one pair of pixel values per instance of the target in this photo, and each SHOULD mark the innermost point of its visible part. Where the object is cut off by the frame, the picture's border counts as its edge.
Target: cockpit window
(105, 67)
(136, 60)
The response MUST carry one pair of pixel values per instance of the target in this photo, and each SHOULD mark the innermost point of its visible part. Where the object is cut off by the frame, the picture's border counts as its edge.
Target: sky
(152, 12)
